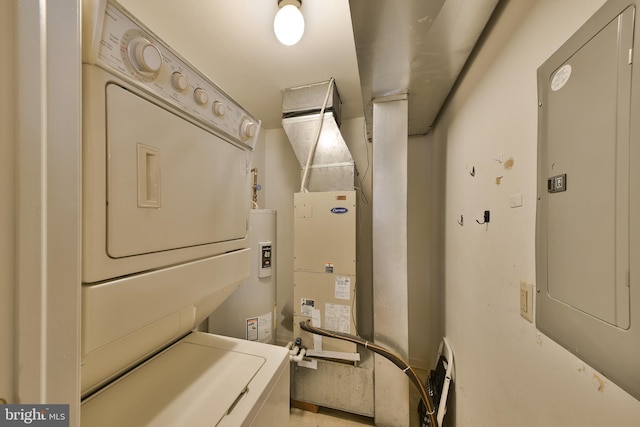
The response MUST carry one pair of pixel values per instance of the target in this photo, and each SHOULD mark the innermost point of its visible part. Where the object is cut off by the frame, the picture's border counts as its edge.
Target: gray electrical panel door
(587, 162)
(585, 246)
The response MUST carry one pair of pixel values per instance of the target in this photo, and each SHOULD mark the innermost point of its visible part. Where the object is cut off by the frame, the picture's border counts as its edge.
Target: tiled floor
(326, 418)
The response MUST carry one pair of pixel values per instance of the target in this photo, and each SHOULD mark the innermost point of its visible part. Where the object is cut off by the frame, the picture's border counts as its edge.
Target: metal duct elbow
(331, 167)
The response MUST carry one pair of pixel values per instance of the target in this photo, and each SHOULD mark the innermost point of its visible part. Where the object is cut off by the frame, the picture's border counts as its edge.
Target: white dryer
(166, 201)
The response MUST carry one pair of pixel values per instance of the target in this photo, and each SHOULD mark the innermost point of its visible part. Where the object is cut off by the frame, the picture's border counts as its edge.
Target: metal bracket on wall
(487, 218)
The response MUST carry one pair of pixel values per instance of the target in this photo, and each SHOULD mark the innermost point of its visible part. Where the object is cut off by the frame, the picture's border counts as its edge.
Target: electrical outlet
(526, 300)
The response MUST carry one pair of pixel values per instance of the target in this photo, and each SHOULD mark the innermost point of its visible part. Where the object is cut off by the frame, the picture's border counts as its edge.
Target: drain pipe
(296, 352)
(312, 150)
(298, 357)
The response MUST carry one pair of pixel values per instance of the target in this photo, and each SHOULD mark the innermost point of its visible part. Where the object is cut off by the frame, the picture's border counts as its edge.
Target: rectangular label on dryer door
(170, 184)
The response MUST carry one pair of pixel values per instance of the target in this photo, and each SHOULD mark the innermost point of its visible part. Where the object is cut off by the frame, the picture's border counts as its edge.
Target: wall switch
(526, 300)
(515, 201)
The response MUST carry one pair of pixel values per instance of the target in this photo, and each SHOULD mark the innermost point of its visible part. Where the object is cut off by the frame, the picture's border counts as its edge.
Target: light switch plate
(526, 300)
(515, 200)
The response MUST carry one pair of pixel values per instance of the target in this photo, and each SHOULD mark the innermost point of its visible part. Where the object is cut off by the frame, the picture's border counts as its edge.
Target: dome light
(289, 22)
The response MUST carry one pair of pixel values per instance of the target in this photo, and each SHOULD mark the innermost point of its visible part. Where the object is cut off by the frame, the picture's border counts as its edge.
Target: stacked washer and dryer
(166, 203)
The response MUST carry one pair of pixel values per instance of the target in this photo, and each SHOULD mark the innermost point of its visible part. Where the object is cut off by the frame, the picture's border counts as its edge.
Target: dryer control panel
(127, 47)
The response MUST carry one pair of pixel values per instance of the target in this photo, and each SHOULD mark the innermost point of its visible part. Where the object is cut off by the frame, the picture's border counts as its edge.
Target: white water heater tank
(250, 312)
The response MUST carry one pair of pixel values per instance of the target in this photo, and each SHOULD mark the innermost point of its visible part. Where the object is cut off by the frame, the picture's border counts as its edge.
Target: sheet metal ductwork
(415, 47)
(331, 166)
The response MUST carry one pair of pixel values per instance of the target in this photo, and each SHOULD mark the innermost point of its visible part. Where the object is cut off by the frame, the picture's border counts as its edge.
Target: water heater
(249, 313)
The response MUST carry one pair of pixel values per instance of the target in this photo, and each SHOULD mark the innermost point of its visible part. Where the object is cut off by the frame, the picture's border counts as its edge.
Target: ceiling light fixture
(289, 22)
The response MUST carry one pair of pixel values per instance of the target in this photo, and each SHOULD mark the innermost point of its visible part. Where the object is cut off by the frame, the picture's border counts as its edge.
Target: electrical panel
(325, 267)
(588, 209)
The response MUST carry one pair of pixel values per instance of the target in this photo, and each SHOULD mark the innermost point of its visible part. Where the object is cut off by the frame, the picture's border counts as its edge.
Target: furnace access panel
(587, 236)
(325, 267)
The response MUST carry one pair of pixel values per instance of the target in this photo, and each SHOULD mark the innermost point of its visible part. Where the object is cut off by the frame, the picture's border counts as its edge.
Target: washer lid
(187, 385)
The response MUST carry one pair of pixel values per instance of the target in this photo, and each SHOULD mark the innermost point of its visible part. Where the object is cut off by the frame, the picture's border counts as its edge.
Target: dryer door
(170, 183)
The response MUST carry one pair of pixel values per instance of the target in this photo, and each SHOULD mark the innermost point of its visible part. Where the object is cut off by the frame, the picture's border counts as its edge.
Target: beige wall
(426, 304)
(507, 373)
(7, 200)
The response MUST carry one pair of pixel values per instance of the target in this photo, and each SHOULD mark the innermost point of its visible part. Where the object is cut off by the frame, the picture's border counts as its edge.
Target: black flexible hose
(394, 358)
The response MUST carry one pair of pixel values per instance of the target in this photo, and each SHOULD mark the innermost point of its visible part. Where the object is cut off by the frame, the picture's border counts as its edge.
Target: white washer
(166, 200)
(203, 380)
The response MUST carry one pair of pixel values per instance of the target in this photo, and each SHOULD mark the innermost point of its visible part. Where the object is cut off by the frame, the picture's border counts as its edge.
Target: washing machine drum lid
(187, 385)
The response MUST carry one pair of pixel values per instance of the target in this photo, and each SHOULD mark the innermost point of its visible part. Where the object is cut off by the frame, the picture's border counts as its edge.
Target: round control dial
(140, 55)
(219, 109)
(179, 81)
(144, 56)
(201, 96)
(247, 129)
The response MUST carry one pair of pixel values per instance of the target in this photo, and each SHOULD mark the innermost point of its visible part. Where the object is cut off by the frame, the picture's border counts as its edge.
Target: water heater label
(259, 328)
(339, 210)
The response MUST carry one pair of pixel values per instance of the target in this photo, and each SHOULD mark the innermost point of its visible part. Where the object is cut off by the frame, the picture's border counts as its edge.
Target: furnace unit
(333, 374)
(325, 269)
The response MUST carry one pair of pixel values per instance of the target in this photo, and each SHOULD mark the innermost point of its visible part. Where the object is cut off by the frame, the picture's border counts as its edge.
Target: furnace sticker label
(306, 306)
(337, 317)
(561, 77)
(342, 288)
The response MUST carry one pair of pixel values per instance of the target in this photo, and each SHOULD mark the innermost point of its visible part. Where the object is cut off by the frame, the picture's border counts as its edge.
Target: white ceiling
(232, 42)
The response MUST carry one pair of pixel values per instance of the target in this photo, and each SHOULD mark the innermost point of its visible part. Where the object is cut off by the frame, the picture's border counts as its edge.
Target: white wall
(257, 161)
(281, 180)
(507, 373)
(425, 292)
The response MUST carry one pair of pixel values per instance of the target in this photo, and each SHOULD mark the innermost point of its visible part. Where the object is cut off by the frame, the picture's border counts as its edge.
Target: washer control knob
(144, 55)
(179, 81)
(219, 109)
(247, 129)
(201, 96)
